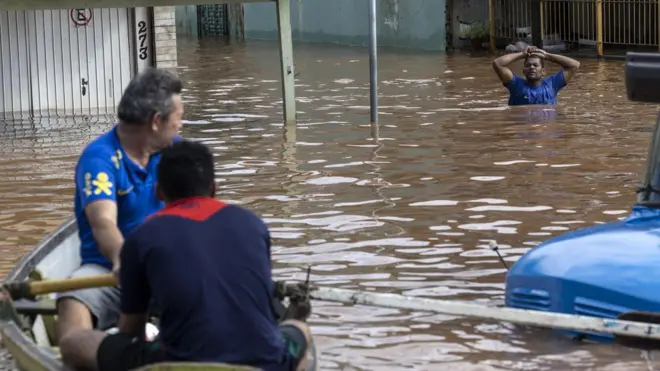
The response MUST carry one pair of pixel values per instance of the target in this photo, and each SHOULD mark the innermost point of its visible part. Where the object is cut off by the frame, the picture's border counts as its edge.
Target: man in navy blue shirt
(207, 265)
(115, 190)
(534, 88)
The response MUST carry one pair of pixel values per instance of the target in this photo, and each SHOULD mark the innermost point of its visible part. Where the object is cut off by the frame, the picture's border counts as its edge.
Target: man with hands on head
(534, 87)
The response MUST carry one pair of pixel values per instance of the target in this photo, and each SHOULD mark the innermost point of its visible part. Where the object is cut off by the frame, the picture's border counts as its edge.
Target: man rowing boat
(207, 265)
(114, 179)
(534, 88)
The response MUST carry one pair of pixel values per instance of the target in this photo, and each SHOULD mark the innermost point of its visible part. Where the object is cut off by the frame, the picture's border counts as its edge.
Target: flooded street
(411, 213)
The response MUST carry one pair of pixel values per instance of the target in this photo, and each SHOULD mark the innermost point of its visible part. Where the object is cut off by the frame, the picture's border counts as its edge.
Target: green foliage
(478, 30)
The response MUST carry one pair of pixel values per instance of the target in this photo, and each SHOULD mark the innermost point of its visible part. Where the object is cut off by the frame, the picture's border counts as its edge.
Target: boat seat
(29, 307)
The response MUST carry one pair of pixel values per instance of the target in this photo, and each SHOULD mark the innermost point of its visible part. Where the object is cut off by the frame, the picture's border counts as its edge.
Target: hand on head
(541, 53)
(534, 51)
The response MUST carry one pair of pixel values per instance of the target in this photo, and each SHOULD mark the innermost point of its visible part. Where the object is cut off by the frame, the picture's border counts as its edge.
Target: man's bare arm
(568, 65)
(102, 216)
(500, 66)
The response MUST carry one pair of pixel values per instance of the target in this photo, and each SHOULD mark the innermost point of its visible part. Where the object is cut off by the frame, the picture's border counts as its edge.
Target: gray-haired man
(115, 191)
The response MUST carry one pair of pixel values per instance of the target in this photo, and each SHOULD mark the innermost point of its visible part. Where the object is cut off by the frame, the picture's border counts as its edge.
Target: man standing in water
(534, 88)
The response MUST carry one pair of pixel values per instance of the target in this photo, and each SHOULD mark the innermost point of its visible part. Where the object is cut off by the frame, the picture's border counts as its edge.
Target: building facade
(401, 23)
(78, 61)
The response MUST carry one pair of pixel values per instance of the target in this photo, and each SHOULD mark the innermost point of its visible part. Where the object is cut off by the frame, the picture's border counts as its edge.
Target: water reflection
(411, 213)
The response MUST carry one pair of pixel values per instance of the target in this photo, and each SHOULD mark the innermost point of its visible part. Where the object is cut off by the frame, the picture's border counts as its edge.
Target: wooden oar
(618, 327)
(635, 329)
(29, 289)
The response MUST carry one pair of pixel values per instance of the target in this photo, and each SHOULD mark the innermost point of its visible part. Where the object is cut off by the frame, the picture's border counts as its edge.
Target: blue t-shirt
(207, 266)
(104, 172)
(521, 93)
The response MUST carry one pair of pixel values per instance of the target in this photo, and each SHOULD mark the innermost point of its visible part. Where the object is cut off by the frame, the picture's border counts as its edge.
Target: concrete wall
(186, 20)
(165, 36)
(404, 23)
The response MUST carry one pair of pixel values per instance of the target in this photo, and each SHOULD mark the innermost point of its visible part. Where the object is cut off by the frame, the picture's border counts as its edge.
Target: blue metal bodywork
(599, 271)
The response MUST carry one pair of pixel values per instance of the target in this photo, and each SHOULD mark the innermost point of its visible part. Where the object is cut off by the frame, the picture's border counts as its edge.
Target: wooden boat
(28, 327)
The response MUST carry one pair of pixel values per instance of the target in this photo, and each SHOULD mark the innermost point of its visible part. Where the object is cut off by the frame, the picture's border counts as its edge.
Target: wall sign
(142, 38)
(81, 17)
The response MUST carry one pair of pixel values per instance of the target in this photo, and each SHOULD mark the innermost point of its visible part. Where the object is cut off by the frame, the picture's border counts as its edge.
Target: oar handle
(30, 289)
(70, 284)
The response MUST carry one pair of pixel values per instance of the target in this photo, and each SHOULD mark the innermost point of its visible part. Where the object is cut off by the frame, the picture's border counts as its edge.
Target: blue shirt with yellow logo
(521, 93)
(104, 172)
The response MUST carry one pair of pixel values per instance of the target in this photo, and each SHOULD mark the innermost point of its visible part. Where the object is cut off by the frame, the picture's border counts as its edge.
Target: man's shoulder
(101, 148)
(235, 210)
(557, 75)
(146, 231)
(221, 212)
(200, 210)
(239, 218)
(225, 214)
(516, 82)
(242, 217)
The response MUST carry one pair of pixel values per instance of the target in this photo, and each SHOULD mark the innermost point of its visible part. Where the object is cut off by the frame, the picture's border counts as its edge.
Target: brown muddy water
(411, 213)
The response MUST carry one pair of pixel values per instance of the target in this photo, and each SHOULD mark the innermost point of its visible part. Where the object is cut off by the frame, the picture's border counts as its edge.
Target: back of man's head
(149, 93)
(186, 170)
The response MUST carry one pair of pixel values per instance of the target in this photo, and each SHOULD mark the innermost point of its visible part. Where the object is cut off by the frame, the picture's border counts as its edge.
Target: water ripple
(410, 213)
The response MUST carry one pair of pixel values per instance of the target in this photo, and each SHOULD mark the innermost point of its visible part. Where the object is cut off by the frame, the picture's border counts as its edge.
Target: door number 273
(142, 37)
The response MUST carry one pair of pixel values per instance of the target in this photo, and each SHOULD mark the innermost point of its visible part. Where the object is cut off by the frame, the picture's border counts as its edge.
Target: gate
(511, 19)
(630, 22)
(583, 24)
(212, 20)
(64, 62)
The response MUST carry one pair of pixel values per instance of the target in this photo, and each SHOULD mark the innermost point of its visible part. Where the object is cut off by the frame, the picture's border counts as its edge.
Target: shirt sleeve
(135, 290)
(95, 178)
(514, 83)
(558, 81)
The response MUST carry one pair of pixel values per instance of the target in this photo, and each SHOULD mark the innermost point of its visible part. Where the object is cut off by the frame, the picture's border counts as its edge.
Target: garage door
(65, 62)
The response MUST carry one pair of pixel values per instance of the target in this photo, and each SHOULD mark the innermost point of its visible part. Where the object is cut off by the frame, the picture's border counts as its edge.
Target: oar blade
(636, 342)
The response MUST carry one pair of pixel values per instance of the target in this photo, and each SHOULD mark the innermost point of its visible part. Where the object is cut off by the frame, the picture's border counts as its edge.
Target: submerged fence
(591, 24)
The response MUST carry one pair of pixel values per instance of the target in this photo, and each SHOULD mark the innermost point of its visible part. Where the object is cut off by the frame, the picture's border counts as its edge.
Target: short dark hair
(186, 170)
(149, 93)
(541, 60)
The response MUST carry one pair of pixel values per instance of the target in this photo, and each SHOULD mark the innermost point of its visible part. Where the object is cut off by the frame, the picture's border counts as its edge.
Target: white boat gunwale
(25, 351)
(28, 263)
